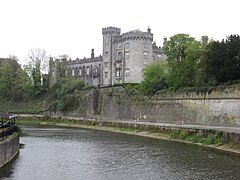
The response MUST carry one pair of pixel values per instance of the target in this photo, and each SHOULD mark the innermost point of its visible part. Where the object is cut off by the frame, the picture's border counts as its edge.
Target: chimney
(164, 40)
(149, 30)
(92, 54)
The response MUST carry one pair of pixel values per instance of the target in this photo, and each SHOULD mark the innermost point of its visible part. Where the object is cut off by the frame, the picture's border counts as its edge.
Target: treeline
(193, 64)
(16, 83)
(189, 64)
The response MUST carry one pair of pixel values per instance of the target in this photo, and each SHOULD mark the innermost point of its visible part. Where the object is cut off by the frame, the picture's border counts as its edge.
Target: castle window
(145, 45)
(119, 56)
(119, 46)
(127, 55)
(145, 55)
(127, 72)
(106, 74)
(72, 72)
(106, 53)
(87, 71)
(118, 72)
(80, 72)
(126, 45)
(106, 64)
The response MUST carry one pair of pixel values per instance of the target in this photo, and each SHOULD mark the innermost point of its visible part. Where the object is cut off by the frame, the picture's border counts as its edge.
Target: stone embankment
(229, 134)
(9, 148)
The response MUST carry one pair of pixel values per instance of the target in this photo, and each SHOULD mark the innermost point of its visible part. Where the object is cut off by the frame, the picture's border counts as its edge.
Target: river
(56, 153)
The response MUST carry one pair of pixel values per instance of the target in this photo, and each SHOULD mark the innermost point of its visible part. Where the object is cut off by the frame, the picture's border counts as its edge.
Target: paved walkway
(188, 126)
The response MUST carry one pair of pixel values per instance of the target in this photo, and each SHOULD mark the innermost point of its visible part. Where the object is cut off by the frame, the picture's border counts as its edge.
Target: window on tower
(106, 74)
(145, 55)
(126, 55)
(119, 56)
(118, 72)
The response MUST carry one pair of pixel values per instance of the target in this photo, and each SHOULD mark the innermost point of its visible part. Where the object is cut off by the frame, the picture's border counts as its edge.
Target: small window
(87, 71)
(106, 53)
(126, 45)
(119, 46)
(72, 72)
(127, 72)
(106, 74)
(118, 72)
(66, 73)
(145, 55)
(106, 64)
(119, 56)
(53, 73)
(127, 55)
(145, 45)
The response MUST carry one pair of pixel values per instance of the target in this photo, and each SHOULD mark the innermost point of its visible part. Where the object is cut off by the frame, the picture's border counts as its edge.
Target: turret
(92, 54)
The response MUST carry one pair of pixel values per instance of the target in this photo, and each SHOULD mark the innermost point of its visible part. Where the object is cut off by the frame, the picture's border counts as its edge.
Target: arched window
(119, 56)
(73, 72)
(118, 72)
(80, 71)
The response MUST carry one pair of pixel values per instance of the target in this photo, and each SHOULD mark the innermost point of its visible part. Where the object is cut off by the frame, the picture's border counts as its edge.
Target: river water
(72, 153)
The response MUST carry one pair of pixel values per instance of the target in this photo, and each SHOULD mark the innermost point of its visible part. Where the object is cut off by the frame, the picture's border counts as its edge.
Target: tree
(184, 54)
(222, 60)
(22, 87)
(37, 63)
(6, 80)
(154, 78)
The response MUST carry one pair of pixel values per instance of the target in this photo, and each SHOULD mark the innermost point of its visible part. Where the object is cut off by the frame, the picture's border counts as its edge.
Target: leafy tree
(36, 75)
(154, 78)
(37, 63)
(6, 80)
(22, 87)
(222, 61)
(184, 55)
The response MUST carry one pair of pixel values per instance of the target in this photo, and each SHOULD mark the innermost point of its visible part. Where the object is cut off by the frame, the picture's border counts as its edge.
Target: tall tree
(37, 63)
(155, 75)
(183, 56)
(6, 80)
(222, 62)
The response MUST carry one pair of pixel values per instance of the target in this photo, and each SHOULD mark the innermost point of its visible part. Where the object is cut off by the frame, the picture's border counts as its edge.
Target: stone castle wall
(221, 107)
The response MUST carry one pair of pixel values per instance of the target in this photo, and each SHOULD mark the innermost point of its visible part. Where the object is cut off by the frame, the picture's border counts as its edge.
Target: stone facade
(123, 58)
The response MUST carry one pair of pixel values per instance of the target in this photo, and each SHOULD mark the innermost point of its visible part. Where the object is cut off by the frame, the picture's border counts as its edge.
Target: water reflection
(71, 153)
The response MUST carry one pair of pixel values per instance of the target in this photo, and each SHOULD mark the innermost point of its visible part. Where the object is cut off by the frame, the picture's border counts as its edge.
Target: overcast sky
(74, 27)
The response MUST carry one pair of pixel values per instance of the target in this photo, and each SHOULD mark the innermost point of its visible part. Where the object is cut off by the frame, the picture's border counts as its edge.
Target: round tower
(138, 54)
(109, 34)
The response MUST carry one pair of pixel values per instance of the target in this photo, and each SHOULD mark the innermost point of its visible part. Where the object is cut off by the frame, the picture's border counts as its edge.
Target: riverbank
(9, 149)
(211, 138)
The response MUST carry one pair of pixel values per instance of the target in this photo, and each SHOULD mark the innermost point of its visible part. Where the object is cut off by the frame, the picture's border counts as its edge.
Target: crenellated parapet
(85, 60)
(137, 35)
(111, 30)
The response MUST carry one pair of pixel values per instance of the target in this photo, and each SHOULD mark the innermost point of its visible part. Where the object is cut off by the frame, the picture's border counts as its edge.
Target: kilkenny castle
(124, 56)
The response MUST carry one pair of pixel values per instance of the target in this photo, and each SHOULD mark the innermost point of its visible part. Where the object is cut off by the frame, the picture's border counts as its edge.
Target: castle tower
(109, 34)
(138, 53)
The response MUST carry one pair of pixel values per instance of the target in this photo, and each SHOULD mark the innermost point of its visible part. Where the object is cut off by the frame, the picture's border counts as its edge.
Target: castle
(123, 58)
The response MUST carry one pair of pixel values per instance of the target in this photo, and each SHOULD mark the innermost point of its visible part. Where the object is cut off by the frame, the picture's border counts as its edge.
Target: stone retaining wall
(9, 148)
(220, 107)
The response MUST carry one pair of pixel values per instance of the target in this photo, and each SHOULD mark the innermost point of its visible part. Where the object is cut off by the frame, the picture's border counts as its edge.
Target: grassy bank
(211, 140)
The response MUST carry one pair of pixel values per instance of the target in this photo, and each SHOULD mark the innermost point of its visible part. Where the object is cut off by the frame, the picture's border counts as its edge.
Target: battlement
(85, 60)
(111, 30)
(137, 35)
